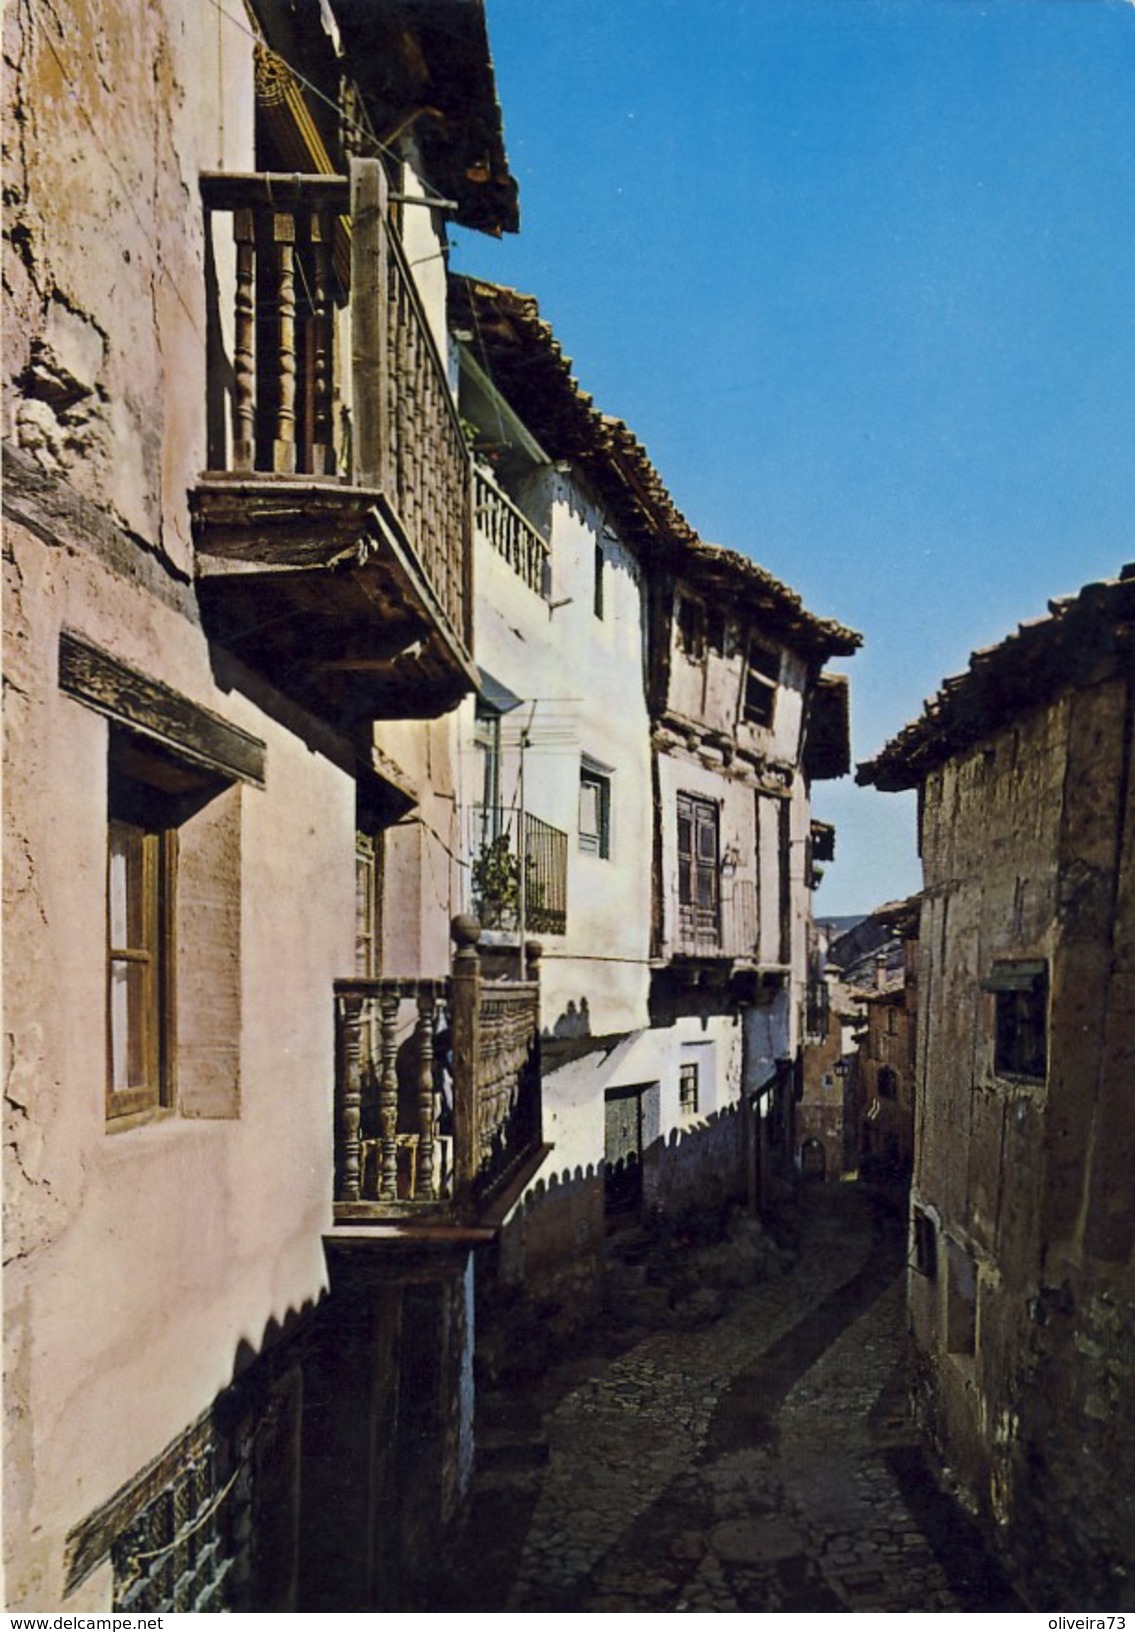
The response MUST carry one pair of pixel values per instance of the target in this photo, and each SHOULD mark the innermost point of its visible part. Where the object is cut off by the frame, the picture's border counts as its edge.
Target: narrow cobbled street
(715, 1447)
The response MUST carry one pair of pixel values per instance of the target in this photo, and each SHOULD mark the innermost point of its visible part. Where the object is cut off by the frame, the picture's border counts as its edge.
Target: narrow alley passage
(757, 1457)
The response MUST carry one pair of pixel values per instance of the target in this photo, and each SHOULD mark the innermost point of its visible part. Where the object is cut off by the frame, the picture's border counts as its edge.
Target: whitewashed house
(649, 717)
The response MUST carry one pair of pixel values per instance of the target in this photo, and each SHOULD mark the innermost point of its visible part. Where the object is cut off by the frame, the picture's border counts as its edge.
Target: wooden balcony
(438, 1118)
(724, 927)
(709, 956)
(334, 524)
(508, 530)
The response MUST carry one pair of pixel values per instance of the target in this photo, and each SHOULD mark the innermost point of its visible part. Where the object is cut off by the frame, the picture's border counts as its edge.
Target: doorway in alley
(632, 1123)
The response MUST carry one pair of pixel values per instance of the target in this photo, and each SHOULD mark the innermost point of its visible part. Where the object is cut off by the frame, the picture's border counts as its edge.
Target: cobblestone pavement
(762, 1462)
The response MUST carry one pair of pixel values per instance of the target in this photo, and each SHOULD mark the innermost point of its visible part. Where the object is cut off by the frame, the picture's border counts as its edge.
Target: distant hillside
(840, 926)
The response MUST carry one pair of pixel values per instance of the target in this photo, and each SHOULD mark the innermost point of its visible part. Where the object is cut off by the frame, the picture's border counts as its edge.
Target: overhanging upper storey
(827, 745)
(516, 350)
(426, 65)
(733, 579)
(735, 666)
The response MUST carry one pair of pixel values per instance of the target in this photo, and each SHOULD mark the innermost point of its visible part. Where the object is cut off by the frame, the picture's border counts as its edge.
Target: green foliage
(496, 884)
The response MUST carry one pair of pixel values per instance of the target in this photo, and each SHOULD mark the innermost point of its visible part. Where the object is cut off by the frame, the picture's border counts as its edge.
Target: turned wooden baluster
(388, 1095)
(284, 448)
(427, 1010)
(351, 1039)
(323, 450)
(244, 343)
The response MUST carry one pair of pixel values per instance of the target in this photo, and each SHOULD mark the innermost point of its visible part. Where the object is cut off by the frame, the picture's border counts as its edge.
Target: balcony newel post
(323, 451)
(427, 1010)
(388, 1094)
(350, 1030)
(370, 282)
(244, 342)
(465, 1027)
(533, 952)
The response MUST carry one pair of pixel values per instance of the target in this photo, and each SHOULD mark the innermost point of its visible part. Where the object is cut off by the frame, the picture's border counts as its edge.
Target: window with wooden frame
(175, 772)
(688, 1087)
(762, 677)
(140, 873)
(368, 905)
(150, 795)
(1020, 998)
(595, 809)
(699, 884)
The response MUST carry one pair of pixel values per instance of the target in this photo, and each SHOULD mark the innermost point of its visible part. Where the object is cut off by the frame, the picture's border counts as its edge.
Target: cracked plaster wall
(138, 1263)
(112, 109)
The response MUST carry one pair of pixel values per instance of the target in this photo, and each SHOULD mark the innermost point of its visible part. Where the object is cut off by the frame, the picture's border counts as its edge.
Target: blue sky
(860, 274)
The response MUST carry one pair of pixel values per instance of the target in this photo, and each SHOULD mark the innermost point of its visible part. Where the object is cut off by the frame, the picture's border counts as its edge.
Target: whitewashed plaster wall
(585, 676)
(574, 1118)
(142, 1259)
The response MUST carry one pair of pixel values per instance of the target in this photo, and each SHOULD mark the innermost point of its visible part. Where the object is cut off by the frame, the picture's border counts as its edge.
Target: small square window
(762, 677)
(688, 1087)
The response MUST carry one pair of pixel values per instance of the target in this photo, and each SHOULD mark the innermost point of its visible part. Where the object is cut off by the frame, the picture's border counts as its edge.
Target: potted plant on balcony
(496, 883)
(496, 886)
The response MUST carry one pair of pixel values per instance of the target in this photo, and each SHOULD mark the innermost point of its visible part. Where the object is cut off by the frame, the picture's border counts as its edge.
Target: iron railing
(497, 839)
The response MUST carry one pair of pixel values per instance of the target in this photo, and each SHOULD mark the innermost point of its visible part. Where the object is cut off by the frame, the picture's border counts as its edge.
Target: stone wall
(1025, 1317)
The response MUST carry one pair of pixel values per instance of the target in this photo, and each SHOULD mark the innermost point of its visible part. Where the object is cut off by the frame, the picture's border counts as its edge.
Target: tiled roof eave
(538, 379)
(1085, 637)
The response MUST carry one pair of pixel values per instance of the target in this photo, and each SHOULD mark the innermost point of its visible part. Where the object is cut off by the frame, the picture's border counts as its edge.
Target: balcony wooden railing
(725, 928)
(437, 1091)
(334, 440)
(510, 532)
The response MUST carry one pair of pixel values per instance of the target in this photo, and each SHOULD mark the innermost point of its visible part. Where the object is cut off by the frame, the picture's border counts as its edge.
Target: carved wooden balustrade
(726, 927)
(437, 1090)
(510, 533)
(334, 442)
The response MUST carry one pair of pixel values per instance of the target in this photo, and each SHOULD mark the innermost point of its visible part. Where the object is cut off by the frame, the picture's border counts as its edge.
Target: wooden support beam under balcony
(318, 588)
